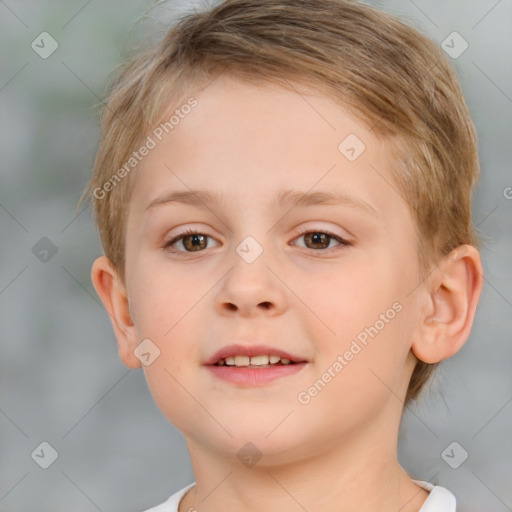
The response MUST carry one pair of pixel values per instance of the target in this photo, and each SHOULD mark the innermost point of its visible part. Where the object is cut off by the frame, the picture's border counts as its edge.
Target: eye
(191, 240)
(321, 239)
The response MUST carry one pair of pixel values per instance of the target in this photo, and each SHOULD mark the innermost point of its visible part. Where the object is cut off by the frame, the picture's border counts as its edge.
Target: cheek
(160, 298)
(165, 313)
(360, 370)
(350, 297)
(364, 314)
(171, 392)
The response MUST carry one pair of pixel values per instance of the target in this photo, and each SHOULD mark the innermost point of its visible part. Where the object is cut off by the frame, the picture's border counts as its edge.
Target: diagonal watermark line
(492, 81)
(75, 15)
(489, 214)
(14, 218)
(304, 98)
(185, 314)
(410, 499)
(14, 423)
(286, 491)
(501, 408)
(199, 403)
(307, 191)
(83, 287)
(88, 497)
(390, 184)
(401, 97)
(215, 488)
(14, 485)
(485, 15)
(13, 279)
(424, 14)
(14, 76)
(496, 290)
(202, 202)
(84, 84)
(282, 421)
(112, 318)
(94, 94)
(423, 280)
(508, 508)
(74, 218)
(220, 73)
(410, 410)
(419, 491)
(13, 13)
(301, 300)
(118, 381)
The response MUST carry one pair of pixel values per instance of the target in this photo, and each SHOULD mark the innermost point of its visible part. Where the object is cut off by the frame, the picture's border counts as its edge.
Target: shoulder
(171, 505)
(439, 499)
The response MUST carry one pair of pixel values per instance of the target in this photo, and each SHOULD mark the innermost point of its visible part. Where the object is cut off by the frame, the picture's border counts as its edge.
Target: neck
(351, 476)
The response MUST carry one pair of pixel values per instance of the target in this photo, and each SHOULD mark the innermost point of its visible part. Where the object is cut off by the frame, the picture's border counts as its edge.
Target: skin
(337, 452)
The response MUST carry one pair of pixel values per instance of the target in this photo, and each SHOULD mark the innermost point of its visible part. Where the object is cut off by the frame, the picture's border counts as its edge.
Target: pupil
(319, 239)
(195, 242)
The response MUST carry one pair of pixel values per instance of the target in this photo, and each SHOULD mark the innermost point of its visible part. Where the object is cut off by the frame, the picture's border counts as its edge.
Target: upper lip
(251, 350)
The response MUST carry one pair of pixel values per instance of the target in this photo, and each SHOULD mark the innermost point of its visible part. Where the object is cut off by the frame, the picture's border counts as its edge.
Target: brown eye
(321, 240)
(317, 240)
(195, 242)
(191, 241)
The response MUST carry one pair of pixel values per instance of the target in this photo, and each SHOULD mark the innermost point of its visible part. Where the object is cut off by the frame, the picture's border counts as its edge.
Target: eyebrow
(287, 198)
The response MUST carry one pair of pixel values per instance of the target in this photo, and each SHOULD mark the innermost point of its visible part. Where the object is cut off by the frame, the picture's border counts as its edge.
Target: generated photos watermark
(151, 142)
(356, 346)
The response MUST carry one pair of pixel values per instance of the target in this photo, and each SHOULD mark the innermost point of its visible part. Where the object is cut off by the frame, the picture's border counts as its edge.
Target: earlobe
(451, 295)
(112, 293)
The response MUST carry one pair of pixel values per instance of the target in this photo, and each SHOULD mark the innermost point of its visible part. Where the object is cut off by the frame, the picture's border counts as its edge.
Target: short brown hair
(393, 78)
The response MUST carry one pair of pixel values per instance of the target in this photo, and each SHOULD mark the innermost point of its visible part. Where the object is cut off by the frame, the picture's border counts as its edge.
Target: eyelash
(338, 238)
(342, 242)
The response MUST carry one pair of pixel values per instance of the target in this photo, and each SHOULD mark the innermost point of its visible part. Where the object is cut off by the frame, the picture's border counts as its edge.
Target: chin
(251, 443)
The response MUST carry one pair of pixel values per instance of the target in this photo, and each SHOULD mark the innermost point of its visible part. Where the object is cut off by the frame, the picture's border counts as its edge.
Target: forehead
(244, 139)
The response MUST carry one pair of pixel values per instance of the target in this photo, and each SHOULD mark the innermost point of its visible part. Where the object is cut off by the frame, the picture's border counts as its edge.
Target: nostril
(233, 307)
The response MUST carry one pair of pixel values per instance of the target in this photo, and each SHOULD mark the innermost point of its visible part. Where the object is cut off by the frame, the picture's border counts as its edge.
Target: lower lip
(254, 376)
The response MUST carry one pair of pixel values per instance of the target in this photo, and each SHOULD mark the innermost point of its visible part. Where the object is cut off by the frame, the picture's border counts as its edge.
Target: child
(283, 193)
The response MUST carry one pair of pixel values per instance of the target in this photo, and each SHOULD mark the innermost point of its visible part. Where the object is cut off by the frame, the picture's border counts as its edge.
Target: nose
(251, 289)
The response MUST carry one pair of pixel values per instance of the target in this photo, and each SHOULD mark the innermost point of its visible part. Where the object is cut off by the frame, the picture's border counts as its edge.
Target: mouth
(253, 365)
(261, 361)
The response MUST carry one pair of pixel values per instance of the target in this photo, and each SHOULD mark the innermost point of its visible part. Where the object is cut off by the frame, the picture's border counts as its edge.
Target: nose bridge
(250, 285)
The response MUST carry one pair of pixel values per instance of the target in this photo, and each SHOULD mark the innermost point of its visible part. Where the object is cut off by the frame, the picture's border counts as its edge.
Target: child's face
(307, 295)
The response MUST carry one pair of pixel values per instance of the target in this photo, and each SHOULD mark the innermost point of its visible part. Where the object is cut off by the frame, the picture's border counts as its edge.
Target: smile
(263, 361)
(253, 365)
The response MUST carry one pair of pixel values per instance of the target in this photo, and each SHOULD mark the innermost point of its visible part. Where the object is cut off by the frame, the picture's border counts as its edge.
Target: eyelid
(322, 227)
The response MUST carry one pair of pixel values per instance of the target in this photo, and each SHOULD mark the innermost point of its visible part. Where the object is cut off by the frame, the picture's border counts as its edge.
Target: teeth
(259, 360)
(262, 360)
(242, 360)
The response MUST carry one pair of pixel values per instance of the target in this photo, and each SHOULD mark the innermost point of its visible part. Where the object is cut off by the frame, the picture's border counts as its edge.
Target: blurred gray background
(61, 381)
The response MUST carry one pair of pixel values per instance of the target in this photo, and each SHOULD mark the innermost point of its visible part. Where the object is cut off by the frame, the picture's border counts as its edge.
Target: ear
(451, 297)
(112, 292)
